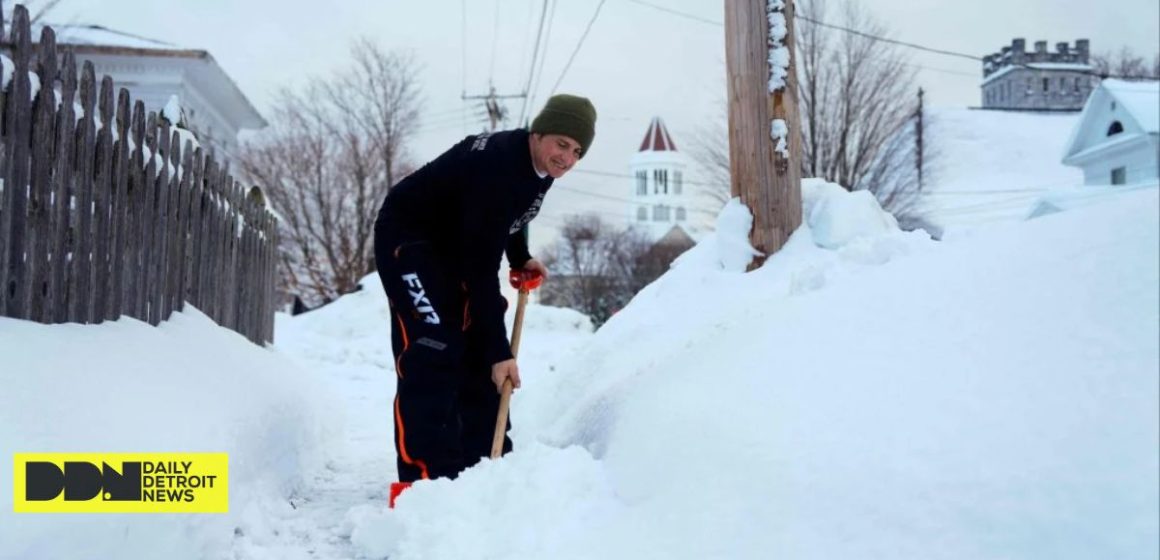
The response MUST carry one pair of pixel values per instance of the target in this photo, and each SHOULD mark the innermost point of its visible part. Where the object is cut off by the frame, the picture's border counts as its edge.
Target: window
(1030, 86)
(1115, 128)
(681, 214)
(1045, 86)
(656, 181)
(641, 214)
(677, 182)
(1119, 176)
(664, 175)
(641, 183)
(1075, 87)
(1063, 84)
(660, 213)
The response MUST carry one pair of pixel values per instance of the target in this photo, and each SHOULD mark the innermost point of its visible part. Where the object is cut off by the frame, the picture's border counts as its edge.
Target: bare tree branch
(596, 268)
(1126, 65)
(333, 150)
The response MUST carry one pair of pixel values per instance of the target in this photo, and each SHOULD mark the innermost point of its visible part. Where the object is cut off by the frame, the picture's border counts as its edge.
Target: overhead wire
(916, 46)
(528, 37)
(532, 66)
(579, 44)
(463, 58)
(677, 12)
(494, 44)
(543, 58)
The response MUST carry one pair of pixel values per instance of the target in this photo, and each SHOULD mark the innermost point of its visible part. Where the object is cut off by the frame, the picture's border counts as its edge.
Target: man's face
(554, 153)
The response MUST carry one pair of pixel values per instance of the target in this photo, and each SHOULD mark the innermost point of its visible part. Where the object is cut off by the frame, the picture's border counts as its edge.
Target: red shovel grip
(525, 280)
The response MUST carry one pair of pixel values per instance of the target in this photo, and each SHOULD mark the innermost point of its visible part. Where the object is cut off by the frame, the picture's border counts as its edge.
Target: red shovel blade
(396, 489)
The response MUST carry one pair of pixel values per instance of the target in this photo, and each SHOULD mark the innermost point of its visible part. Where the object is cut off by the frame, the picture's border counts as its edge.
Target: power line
(721, 24)
(596, 195)
(887, 40)
(875, 37)
(543, 57)
(494, 43)
(822, 24)
(447, 112)
(678, 13)
(528, 38)
(532, 67)
(627, 176)
(463, 44)
(579, 44)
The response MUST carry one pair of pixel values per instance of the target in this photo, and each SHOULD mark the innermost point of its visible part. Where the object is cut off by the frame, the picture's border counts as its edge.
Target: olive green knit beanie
(570, 115)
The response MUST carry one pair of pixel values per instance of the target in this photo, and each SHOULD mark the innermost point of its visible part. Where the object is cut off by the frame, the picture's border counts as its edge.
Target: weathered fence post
(90, 201)
(64, 254)
(18, 141)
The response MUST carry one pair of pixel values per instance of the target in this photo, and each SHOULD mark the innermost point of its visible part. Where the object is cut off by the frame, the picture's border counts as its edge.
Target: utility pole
(764, 125)
(495, 112)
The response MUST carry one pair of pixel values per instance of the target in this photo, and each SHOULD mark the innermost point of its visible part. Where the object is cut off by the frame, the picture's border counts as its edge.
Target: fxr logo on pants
(419, 299)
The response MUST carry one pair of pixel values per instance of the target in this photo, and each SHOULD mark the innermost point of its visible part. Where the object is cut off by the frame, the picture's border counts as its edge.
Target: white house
(660, 199)
(1117, 138)
(153, 71)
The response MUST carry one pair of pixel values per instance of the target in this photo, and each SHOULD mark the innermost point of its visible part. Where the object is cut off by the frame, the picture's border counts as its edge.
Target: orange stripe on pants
(403, 446)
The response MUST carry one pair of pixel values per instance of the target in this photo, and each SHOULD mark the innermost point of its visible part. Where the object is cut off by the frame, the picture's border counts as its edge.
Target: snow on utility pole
(764, 126)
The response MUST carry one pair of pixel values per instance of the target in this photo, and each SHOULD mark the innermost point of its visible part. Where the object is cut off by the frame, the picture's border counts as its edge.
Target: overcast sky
(637, 61)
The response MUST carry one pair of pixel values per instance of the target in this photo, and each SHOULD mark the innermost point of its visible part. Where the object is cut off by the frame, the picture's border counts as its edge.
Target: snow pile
(887, 397)
(836, 218)
(124, 386)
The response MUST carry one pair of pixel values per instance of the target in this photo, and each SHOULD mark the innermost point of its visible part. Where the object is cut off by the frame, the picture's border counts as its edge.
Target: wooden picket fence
(105, 212)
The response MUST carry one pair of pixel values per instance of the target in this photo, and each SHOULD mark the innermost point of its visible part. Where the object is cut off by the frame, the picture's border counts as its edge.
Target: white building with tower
(661, 201)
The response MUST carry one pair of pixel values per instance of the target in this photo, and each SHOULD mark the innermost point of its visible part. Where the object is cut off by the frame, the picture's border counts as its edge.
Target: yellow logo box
(121, 483)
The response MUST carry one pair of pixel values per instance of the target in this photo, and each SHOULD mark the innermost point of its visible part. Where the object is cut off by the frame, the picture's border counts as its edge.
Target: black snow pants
(445, 402)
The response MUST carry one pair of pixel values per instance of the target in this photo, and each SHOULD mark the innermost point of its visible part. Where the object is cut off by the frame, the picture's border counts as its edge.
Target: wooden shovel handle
(505, 398)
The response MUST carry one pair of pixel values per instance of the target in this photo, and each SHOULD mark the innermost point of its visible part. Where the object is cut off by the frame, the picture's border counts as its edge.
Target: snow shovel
(525, 281)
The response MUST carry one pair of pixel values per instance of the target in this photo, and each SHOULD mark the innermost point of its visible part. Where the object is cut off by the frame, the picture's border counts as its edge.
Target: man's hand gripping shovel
(525, 281)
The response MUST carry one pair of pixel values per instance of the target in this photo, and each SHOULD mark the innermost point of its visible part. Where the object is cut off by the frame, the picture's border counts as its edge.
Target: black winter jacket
(472, 203)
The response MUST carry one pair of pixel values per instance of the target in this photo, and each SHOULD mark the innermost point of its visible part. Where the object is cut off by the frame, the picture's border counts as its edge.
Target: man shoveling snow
(438, 242)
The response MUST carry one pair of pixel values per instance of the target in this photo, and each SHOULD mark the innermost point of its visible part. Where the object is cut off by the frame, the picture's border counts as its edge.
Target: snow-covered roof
(89, 34)
(657, 138)
(96, 42)
(1140, 103)
(1070, 66)
(677, 235)
(992, 164)
(1140, 99)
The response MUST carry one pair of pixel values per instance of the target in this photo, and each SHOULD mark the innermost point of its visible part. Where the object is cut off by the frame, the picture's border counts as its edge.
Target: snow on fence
(104, 213)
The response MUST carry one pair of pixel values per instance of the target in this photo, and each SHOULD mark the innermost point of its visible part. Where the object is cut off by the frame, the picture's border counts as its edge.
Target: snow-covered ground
(185, 386)
(867, 393)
